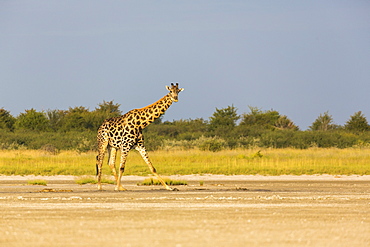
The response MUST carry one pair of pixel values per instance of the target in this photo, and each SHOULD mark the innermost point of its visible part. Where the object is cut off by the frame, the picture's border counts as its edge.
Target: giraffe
(125, 133)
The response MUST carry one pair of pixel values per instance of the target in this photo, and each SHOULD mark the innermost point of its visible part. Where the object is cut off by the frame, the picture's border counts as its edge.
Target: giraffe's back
(119, 131)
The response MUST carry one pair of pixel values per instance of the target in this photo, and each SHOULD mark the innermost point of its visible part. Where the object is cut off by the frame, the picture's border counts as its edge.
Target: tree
(270, 119)
(262, 119)
(32, 120)
(75, 119)
(223, 120)
(55, 118)
(6, 120)
(106, 110)
(357, 123)
(109, 108)
(285, 123)
(324, 122)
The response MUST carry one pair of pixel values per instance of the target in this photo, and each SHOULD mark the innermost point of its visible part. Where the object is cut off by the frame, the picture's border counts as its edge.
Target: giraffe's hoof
(120, 189)
(174, 189)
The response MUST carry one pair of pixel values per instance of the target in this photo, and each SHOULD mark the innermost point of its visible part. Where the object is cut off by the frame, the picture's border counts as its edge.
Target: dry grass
(264, 162)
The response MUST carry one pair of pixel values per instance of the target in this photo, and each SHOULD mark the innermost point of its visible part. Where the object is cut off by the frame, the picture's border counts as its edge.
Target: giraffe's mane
(151, 105)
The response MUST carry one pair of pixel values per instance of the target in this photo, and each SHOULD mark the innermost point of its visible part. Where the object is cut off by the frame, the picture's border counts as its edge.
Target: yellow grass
(264, 162)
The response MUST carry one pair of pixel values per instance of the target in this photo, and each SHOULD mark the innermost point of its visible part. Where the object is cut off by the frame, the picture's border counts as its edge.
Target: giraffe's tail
(97, 168)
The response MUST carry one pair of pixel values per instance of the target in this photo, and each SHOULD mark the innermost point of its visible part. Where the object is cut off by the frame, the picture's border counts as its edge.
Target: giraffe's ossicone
(125, 133)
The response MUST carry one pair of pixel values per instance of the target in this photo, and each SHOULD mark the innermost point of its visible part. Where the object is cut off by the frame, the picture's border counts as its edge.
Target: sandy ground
(225, 211)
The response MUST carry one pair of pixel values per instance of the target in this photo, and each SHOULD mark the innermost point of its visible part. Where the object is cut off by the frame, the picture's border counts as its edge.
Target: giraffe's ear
(181, 89)
(168, 88)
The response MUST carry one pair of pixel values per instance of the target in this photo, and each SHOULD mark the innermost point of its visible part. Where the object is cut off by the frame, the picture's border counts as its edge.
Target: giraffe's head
(174, 91)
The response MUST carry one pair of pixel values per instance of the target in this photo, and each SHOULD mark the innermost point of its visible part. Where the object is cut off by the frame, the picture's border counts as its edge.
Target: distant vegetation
(75, 129)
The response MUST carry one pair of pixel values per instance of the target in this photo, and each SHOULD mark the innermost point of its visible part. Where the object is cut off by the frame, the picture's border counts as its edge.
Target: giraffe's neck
(152, 112)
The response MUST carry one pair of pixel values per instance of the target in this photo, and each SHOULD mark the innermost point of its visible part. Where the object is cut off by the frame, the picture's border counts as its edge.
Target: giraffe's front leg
(124, 153)
(119, 186)
(144, 155)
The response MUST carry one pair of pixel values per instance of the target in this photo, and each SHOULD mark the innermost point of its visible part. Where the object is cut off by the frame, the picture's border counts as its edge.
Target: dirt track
(225, 211)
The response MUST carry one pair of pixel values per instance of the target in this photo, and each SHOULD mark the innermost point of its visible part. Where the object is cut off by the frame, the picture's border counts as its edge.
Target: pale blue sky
(301, 58)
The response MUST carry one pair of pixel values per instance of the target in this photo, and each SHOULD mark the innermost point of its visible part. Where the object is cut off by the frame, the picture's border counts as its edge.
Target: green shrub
(50, 149)
(151, 181)
(37, 182)
(88, 180)
(213, 144)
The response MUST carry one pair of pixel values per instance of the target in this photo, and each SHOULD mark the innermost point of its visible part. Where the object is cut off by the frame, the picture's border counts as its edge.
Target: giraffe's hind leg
(145, 156)
(112, 160)
(99, 162)
(124, 153)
